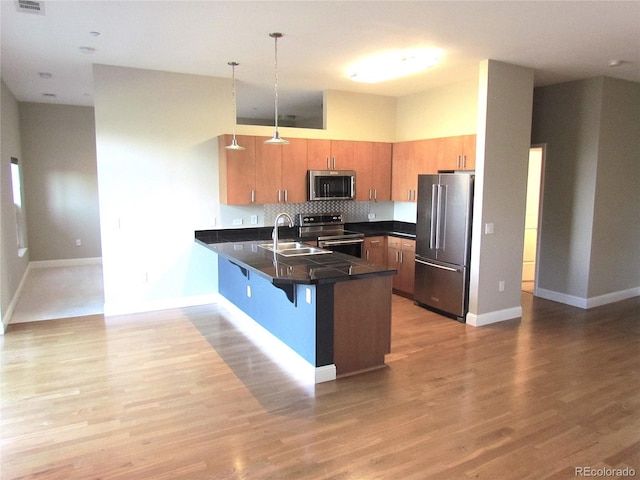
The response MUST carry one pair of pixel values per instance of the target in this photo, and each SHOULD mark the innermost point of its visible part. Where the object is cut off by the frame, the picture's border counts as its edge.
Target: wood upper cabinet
(268, 171)
(330, 154)
(372, 163)
(294, 171)
(237, 171)
(409, 160)
(280, 171)
(402, 171)
(457, 153)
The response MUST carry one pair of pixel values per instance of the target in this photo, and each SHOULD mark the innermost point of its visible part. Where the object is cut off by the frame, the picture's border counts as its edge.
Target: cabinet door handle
(409, 194)
(458, 164)
(375, 194)
(286, 196)
(375, 242)
(334, 163)
(253, 196)
(464, 162)
(278, 196)
(328, 163)
(367, 255)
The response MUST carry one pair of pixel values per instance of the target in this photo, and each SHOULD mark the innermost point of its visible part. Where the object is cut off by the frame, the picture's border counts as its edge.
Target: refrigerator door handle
(442, 267)
(433, 233)
(439, 218)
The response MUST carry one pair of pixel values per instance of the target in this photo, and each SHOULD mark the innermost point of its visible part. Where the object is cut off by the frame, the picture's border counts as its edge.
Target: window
(16, 185)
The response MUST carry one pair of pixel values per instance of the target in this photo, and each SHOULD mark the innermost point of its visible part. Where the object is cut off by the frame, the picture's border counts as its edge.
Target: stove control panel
(320, 219)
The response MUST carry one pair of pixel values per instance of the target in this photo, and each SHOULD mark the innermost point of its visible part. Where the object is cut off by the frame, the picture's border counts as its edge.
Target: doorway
(532, 218)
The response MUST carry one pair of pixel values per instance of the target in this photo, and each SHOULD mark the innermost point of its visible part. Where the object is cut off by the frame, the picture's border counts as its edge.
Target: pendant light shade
(234, 143)
(276, 140)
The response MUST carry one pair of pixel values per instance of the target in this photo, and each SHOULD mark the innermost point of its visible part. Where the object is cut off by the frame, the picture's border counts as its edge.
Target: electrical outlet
(488, 229)
(254, 219)
(78, 242)
(371, 216)
(237, 221)
(249, 291)
(501, 286)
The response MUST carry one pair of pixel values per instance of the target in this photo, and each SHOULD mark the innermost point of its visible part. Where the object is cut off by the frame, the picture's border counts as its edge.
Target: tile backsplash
(353, 211)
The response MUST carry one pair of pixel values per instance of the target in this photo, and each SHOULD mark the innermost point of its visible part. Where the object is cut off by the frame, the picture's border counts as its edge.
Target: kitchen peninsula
(333, 310)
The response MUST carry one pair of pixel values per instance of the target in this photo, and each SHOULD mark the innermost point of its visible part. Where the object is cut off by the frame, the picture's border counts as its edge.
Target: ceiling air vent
(30, 6)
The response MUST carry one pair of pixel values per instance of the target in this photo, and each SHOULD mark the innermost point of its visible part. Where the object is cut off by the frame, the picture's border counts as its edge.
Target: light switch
(488, 228)
(308, 295)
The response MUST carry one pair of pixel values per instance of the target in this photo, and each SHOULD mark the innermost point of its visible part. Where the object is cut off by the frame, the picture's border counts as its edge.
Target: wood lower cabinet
(401, 254)
(361, 324)
(375, 250)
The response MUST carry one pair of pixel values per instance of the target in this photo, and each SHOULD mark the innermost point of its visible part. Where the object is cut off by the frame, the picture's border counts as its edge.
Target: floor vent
(30, 6)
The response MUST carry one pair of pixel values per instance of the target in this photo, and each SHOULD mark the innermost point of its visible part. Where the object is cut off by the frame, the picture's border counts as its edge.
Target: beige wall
(589, 252)
(504, 139)
(12, 266)
(61, 185)
(348, 116)
(440, 112)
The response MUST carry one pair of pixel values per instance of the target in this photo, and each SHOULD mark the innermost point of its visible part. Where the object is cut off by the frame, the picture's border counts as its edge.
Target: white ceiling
(560, 40)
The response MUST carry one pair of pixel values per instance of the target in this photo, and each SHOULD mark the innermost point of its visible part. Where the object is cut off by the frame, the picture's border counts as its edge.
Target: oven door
(352, 246)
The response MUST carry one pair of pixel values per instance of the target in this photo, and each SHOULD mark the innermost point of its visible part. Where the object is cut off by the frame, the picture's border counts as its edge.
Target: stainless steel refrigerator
(443, 242)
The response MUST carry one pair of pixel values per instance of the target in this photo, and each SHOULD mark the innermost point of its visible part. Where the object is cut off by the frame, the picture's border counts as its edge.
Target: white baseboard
(587, 303)
(123, 308)
(69, 262)
(493, 317)
(276, 349)
(6, 318)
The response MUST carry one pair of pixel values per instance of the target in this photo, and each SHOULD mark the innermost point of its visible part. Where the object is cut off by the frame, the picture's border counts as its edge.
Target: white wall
(502, 152)
(61, 183)
(156, 151)
(12, 266)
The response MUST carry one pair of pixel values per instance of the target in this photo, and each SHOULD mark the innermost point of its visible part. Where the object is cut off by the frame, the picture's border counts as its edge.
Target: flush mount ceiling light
(87, 50)
(391, 65)
(234, 143)
(276, 140)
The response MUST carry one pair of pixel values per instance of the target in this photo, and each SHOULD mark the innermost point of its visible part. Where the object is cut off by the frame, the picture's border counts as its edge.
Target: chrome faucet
(274, 235)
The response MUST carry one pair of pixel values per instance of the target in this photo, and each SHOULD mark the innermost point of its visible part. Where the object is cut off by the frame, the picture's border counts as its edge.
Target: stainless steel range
(327, 229)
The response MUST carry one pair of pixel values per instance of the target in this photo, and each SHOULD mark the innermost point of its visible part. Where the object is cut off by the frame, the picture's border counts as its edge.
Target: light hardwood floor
(181, 394)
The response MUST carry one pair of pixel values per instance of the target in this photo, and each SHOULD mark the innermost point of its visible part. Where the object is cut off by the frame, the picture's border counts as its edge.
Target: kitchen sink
(291, 249)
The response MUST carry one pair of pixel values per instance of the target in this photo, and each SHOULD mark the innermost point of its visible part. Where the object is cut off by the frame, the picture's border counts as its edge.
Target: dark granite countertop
(369, 229)
(307, 269)
(391, 227)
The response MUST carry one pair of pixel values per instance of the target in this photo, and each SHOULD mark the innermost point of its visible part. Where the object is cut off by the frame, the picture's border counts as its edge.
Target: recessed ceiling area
(560, 40)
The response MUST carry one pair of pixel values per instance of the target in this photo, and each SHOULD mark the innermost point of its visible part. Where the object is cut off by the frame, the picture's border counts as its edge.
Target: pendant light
(234, 143)
(276, 140)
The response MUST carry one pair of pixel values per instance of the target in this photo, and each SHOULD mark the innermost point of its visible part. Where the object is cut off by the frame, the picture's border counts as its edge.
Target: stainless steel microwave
(331, 184)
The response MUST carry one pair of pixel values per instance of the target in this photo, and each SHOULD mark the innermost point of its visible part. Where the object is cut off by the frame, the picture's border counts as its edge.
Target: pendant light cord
(233, 96)
(276, 36)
